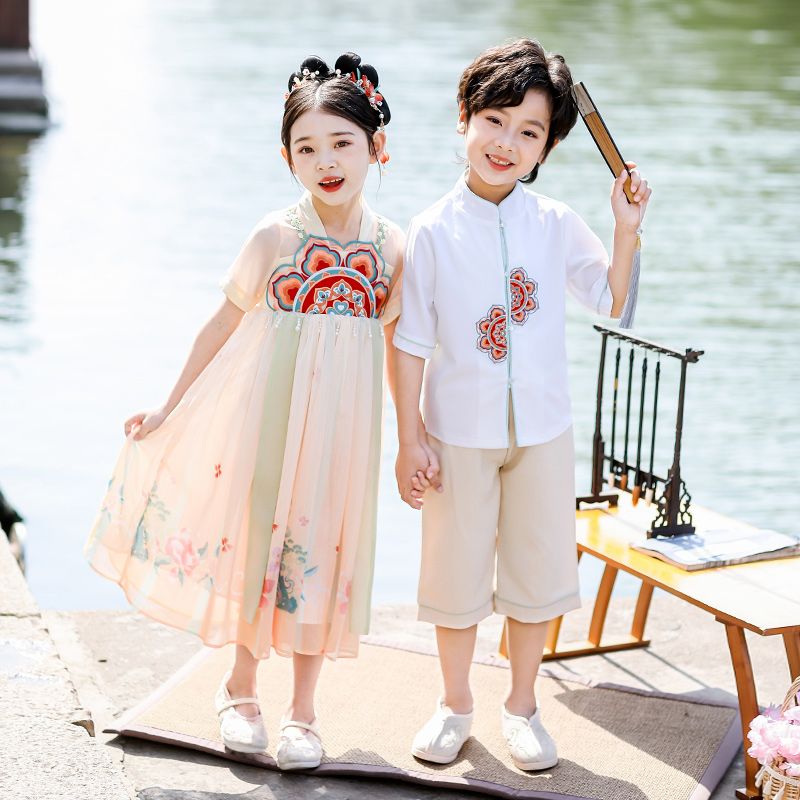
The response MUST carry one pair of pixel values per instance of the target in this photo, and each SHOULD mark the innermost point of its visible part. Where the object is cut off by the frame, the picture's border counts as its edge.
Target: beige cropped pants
(500, 537)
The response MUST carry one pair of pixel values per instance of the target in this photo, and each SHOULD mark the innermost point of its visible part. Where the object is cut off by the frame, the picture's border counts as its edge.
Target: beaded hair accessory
(351, 71)
(361, 82)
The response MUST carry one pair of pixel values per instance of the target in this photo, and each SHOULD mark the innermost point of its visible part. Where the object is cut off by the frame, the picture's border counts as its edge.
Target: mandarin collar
(314, 227)
(508, 208)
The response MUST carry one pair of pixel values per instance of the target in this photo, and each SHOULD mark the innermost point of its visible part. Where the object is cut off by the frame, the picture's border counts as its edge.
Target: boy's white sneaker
(442, 736)
(300, 745)
(239, 733)
(530, 745)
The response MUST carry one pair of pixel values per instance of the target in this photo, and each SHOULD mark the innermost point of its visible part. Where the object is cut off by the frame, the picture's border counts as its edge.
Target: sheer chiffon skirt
(249, 516)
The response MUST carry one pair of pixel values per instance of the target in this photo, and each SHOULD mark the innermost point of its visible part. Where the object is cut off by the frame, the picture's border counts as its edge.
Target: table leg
(642, 609)
(502, 649)
(601, 604)
(748, 704)
(792, 642)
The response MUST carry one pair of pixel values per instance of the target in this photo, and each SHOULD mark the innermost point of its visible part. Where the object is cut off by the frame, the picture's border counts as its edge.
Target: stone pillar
(23, 105)
(14, 25)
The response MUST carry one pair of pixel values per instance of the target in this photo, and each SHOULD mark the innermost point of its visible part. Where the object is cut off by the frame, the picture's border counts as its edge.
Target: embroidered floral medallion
(492, 330)
(326, 278)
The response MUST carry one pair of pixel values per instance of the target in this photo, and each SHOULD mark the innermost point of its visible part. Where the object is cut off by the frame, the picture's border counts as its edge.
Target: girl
(244, 509)
(486, 271)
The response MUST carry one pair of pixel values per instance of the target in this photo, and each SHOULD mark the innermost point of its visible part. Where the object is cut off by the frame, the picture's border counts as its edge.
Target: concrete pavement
(53, 665)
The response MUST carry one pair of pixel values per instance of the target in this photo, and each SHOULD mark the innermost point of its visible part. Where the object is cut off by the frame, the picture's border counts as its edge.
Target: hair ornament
(363, 77)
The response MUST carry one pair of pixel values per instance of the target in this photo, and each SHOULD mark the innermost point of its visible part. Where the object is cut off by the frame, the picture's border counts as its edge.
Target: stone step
(20, 123)
(23, 94)
(19, 62)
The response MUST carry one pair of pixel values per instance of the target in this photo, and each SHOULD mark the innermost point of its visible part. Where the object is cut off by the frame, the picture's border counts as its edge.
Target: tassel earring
(383, 160)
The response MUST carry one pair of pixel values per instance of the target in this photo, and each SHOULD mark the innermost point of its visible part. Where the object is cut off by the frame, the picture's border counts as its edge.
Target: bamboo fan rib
(608, 149)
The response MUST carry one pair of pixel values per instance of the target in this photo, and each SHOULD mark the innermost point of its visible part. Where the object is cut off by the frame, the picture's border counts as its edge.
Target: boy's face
(504, 144)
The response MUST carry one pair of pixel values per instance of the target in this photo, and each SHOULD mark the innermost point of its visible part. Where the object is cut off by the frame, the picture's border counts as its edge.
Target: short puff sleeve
(245, 282)
(393, 305)
(416, 330)
(586, 265)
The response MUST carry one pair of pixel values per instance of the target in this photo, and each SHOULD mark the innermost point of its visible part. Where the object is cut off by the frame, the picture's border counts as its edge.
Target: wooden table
(763, 597)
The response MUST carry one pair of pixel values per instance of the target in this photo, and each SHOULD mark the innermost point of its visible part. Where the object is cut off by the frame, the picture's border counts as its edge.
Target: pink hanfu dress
(249, 515)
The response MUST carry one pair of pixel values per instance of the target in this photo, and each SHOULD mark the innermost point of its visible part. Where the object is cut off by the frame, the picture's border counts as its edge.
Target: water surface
(117, 224)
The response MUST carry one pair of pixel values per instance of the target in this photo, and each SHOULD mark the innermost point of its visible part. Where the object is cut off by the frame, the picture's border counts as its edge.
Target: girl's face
(330, 155)
(504, 144)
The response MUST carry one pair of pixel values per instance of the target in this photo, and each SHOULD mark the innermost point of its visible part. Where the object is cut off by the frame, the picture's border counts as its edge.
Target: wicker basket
(775, 785)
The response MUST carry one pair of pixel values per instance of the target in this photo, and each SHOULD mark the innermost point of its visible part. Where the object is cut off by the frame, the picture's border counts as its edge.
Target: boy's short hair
(500, 76)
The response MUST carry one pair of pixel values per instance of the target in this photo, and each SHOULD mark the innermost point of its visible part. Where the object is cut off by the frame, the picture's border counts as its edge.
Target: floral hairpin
(308, 75)
(365, 85)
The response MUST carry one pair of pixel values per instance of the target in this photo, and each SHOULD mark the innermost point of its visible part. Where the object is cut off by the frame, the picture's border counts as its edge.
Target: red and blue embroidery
(325, 277)
(492, 330)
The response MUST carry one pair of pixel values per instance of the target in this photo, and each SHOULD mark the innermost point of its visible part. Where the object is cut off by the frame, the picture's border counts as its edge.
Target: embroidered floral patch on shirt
(492, 333)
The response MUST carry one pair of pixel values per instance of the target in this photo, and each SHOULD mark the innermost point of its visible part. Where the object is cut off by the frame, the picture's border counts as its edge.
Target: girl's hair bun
(371, 73)
(314, 64)
(348, 62)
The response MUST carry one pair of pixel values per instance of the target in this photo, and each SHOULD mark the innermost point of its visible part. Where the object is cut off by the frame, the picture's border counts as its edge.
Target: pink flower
(759, 723)
(773, 711)
(269, 585)
(762, 752)
(775, 739)
(344, 597)
(181, 550)
(789, 745)
(225, 544)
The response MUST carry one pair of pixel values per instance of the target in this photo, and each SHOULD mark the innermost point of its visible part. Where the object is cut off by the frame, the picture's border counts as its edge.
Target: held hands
(143, 424)
(625, 213)
(417, 470)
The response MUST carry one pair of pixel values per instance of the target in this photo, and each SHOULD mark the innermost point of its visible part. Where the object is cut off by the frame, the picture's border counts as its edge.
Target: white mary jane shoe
(300, 745)
(239, 733)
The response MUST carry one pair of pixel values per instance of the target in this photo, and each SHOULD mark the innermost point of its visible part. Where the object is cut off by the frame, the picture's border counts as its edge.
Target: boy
(486, 273)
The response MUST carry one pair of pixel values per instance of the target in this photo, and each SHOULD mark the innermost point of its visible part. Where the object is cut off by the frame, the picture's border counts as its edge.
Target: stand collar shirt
(484, 299)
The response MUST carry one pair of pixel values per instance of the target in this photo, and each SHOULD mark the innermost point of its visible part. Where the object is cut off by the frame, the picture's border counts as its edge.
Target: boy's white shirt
(455, 271)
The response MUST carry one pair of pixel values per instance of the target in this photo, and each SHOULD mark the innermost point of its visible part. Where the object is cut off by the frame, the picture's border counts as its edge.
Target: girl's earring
(383, 160)
(461, 127)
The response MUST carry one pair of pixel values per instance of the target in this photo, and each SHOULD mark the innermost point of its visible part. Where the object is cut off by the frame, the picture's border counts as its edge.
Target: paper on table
(721, 546)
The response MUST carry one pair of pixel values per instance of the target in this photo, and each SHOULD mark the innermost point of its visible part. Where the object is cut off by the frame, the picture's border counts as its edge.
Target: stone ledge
(22, 93)
(16, 599)
(18, 123)
(19, 62)
(47, 748)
